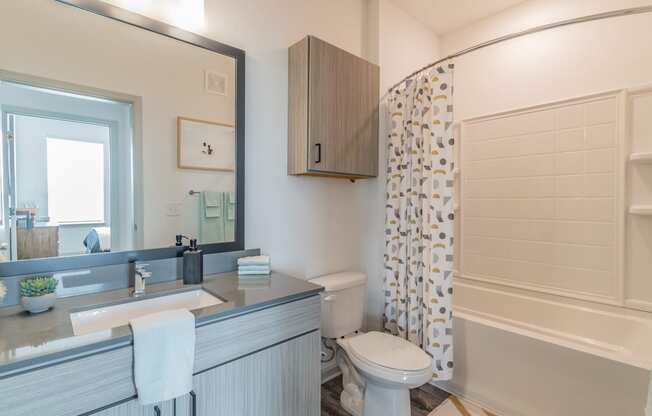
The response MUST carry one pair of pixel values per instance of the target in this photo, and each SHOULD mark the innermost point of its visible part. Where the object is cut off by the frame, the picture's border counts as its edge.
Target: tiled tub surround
(557, 199)
(552, 286)
(540, 198)
(638, 261)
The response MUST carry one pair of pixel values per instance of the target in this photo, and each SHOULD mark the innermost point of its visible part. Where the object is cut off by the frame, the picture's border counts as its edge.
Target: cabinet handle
(157, 411)
(318, 159)
(193, 402)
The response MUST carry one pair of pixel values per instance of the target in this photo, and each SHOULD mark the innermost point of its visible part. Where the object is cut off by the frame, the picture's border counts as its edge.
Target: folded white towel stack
(254, 266)
(164, 355)
(104, 234)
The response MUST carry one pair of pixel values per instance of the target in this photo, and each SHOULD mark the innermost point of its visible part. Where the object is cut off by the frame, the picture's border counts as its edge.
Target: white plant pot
(38, 304)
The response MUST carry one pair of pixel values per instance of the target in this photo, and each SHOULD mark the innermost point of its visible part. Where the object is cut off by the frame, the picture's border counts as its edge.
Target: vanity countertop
(33, 341)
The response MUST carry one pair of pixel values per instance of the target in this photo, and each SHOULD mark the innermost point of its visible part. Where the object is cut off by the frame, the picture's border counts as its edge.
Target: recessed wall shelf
(640, 210)
(643, 157)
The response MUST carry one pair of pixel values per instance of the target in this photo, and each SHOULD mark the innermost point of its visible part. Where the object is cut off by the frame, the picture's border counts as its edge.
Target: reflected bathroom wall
(157, 179)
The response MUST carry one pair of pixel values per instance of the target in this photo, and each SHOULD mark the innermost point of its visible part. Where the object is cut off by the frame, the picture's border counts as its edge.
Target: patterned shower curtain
(419, 216)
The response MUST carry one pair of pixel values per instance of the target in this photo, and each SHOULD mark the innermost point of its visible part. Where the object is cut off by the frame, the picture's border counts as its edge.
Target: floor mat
(458, 407)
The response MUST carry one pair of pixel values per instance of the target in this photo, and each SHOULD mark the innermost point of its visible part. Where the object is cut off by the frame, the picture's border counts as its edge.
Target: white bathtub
(527, 356)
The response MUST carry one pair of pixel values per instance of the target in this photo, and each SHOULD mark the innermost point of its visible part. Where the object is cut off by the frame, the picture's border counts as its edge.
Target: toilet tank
(342, 303)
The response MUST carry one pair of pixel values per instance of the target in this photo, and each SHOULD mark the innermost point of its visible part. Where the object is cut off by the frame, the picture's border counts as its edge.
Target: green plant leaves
(38, 286)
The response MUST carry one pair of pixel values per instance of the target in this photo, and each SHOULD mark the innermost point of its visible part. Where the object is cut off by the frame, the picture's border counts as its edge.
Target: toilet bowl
(387, 367)
(378, 370)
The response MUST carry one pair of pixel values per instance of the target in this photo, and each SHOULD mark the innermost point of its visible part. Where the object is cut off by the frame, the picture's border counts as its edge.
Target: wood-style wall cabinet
(333, 112)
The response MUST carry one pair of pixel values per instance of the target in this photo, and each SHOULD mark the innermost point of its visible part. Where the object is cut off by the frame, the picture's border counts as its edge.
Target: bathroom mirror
(118, 133)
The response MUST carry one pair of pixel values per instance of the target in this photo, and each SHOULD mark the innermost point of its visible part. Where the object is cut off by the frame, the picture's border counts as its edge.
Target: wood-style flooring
(424, 399)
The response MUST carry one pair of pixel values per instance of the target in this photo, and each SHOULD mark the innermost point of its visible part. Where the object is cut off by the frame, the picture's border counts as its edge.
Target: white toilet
(378, 369)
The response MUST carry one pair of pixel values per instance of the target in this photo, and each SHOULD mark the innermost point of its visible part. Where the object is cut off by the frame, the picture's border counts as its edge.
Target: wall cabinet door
(133, 408)
(283, 380)
(333, 108)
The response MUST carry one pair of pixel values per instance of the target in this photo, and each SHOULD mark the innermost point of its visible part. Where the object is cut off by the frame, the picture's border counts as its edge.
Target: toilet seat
(388, 359)
(389, 351)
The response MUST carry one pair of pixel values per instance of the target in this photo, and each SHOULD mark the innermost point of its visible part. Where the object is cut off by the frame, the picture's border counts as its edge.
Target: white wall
(56, 41)
(561, 63)
(404, 45)
(312, 226)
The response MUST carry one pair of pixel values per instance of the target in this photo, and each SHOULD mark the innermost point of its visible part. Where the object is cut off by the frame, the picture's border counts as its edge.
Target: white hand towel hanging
(164, 355)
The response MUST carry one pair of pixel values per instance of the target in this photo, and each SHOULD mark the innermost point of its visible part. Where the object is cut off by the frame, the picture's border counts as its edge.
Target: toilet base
(381, 400)
(352, 397)
(351, 404)
(370, 397)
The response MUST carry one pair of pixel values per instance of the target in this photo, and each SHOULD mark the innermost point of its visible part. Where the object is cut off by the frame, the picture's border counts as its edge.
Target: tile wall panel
(539, 198)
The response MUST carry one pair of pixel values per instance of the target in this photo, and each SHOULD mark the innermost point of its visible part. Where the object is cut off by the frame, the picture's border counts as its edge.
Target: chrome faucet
(140, 275)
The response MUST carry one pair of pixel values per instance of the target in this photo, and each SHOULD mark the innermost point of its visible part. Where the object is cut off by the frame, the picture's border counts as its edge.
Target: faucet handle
(141, 270)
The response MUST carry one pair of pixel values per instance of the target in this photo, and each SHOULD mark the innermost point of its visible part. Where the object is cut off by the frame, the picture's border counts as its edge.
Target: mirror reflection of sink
(112, 316)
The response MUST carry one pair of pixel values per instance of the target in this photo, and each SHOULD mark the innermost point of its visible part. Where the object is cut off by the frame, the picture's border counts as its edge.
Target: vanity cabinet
(262, 362)
(333, 100)
(279, 381)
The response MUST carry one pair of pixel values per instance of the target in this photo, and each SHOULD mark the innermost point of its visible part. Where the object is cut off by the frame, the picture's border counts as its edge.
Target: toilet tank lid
(338, 281)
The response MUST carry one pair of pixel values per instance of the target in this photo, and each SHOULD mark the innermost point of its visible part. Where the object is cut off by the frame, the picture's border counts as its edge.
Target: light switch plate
(173, 209)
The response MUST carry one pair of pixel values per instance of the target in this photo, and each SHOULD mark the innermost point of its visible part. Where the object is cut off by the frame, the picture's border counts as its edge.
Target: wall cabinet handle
(193, 402)
(318, 158)
(157, 411)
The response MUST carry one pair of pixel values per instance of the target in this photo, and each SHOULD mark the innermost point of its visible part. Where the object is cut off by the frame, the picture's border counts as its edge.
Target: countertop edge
(59, 357)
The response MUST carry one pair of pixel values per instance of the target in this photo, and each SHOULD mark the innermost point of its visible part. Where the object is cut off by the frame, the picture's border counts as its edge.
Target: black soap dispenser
(193, 263)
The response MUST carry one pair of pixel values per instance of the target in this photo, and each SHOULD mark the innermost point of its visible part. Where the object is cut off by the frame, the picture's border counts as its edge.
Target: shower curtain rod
(589, 18)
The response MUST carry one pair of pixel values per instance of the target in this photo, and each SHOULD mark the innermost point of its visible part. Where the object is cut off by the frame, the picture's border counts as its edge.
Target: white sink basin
(107, 317)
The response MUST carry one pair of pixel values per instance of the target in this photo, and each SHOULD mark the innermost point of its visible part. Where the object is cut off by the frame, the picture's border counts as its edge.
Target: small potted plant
(37, 293)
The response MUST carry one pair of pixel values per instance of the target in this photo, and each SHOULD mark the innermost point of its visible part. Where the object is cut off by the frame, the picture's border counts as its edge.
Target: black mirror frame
(54, 264)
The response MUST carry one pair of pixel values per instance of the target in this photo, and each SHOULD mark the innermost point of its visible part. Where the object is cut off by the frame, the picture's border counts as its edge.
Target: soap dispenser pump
(193, 262)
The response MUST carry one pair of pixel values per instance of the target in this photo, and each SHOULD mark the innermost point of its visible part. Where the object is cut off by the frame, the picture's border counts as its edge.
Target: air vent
(215, 83)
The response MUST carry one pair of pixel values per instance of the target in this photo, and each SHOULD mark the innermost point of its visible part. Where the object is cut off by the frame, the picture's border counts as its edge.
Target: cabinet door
(283, 380)
(133, 408)
(343, 112)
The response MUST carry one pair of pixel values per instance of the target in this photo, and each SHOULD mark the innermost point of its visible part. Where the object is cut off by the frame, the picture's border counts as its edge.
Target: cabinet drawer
(71, 388)
(223, 341)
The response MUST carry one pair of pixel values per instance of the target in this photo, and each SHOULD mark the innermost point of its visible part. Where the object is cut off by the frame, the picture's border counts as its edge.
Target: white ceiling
(444, 16)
